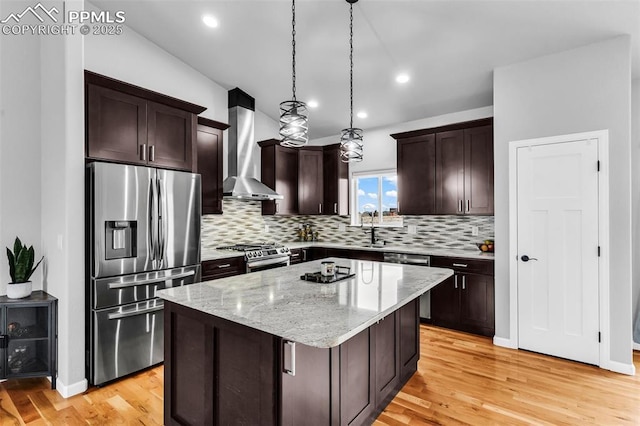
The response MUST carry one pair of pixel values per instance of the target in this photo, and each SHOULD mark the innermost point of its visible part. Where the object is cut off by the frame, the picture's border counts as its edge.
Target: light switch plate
(474, 231)
(412, 229)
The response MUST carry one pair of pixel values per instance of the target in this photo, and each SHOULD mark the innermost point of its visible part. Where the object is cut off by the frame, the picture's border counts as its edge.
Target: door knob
(526, 258)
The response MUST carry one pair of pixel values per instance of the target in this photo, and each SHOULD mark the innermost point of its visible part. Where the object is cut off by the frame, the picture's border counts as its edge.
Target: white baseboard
(504, 342)
(636, 346)
(73, 389)
(618, 367)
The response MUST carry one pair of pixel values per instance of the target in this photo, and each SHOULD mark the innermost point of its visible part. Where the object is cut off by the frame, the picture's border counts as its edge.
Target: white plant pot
(18, 290)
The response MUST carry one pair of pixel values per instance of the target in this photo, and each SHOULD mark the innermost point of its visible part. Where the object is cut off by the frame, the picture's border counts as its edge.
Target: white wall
(379, 150)
(19, 147)
(574, 91)
(635, 201)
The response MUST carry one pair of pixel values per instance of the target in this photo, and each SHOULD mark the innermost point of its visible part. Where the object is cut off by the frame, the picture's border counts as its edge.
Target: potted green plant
(20, 269)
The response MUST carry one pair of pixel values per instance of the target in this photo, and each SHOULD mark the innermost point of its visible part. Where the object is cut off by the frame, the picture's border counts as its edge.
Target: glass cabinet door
(27, 330)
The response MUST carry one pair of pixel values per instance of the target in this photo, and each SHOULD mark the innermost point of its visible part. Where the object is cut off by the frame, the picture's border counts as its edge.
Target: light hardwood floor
(461, 379)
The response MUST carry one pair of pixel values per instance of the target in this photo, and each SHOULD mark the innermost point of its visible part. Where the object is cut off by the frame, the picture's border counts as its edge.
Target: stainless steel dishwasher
(414, 259)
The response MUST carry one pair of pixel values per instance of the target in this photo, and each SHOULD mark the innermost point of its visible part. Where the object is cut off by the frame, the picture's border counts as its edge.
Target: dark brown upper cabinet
(446, 170)
(279, 166)
(129, 124)
(310, 180)
(209, 149)
(336, 182)
(416, 175)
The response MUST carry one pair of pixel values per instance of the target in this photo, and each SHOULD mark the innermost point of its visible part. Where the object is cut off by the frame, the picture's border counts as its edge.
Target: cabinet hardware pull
(463, 282)
(152, 153)
(226, 265)
(398, 206)
(455, 281)
(460, 265)
(460, 205)
(143, 152)
(320, 208)
(295, 254)
(468, 205)
(277, 206)
(335, 208)
(292, 348)
(304, 255)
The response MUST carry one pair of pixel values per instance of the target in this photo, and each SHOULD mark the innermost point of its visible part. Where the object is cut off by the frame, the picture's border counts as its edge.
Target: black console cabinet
(28, 339)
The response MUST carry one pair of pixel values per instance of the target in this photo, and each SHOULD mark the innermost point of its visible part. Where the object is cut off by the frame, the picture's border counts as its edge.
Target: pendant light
(294, 126)
(351, 138)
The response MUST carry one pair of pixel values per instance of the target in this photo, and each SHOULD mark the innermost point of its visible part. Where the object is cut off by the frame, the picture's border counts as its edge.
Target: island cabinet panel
(217, 372)
(409, 344)
(307, 394)
(357, 378)
(387, 359)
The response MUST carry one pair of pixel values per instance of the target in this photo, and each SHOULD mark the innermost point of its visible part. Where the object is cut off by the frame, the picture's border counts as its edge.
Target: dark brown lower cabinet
(465, 301)
(221, 373)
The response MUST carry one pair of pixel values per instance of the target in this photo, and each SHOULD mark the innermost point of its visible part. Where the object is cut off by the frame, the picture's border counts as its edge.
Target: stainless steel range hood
(239, 184)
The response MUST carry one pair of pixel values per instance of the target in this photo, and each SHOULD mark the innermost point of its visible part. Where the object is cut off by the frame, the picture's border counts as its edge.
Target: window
(375, 199)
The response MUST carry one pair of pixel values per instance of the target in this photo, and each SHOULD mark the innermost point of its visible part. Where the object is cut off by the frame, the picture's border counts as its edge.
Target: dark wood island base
(218, 372)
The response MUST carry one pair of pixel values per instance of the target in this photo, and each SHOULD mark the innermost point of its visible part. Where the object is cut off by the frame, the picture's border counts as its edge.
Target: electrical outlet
(412, 229)
(474, 231)
(342, 227)
(266, 229)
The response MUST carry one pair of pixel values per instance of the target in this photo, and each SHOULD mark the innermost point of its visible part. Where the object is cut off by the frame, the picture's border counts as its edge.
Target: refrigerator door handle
(125, 284)
(150, 227)
(161, 222)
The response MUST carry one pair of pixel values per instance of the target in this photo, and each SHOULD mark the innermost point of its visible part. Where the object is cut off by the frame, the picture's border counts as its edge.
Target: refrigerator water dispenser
(120, 239)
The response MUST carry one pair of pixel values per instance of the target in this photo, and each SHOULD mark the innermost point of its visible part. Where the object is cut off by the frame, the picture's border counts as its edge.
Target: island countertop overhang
(278, 302)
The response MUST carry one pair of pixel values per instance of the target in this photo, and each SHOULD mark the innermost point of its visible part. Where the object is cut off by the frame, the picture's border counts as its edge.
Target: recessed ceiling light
(312, 103)
(402, 78)
(362, 114)
(210, 21)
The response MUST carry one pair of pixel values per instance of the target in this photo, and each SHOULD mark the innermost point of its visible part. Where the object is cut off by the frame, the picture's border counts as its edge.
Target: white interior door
(557, 213)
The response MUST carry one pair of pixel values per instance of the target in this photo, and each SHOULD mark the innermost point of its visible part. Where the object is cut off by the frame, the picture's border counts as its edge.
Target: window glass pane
(390, 200)
(368, 200)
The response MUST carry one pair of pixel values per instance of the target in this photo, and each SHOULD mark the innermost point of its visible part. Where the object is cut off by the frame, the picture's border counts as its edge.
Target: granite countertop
(278, 302)
(214, 254)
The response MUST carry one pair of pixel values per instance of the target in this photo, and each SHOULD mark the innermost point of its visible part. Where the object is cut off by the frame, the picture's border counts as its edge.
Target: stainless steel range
(262, 256)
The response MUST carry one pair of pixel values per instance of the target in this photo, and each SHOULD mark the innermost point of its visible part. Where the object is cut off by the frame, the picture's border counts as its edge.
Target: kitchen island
(270, 348)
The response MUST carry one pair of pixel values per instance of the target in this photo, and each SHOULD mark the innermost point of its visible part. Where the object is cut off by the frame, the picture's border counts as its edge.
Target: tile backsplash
(243, 222)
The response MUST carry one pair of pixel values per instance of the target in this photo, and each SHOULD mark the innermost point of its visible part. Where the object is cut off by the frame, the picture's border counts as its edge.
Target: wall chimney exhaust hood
(239, 185)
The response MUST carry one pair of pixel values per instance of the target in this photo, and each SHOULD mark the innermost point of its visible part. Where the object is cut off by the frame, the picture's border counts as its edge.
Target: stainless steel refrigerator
(143, 235)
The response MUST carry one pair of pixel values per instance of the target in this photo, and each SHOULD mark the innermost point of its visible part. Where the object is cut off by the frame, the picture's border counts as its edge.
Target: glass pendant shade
(351, 145)
(294, 125)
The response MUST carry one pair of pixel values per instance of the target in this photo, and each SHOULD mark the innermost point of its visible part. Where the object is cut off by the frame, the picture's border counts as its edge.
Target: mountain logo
(39, 11)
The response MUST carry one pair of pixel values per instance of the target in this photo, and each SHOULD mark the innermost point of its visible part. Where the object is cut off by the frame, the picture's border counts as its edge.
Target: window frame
(380, 174)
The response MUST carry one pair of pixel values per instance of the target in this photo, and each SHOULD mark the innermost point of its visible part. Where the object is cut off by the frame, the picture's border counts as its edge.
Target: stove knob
(286, 249)
(249, 254)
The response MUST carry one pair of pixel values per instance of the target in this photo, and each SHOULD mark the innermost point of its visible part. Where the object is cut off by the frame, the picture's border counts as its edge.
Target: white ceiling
(448, 47)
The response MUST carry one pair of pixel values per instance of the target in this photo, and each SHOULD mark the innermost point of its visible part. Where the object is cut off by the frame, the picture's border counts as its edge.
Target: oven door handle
(120, 315)
(116, 285)
(266, 262)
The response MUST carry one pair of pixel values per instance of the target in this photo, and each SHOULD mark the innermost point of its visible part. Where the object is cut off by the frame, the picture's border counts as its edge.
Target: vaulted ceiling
(448, 48)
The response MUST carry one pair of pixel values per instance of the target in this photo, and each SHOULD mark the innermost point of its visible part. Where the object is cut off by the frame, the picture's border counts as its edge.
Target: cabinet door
(116, 126)
(445, 302)
(450, 172)
(478, 168)
(29, 348)
(409, 342)
(209, 142)
(416, 175)
(221, 268)
(477, 303)
(170, 136)
(310, 183)
(387, 362)
(357, 396)
(336, 182)
(306, 397)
